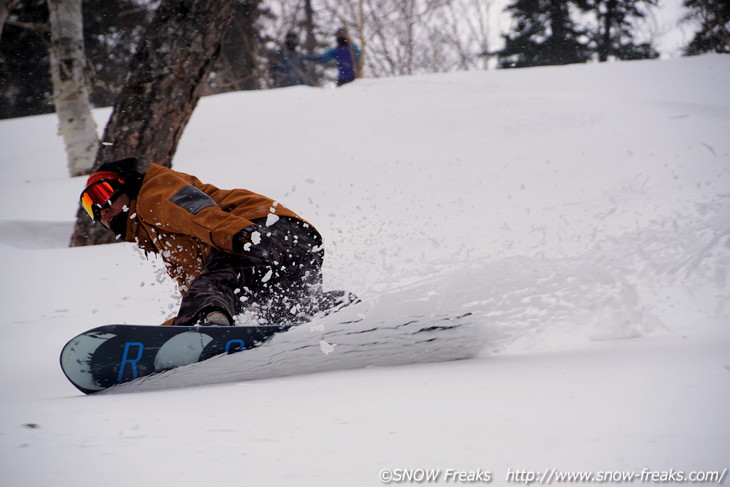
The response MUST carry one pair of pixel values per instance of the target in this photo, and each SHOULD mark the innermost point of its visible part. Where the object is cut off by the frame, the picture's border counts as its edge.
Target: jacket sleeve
(321, 58)
(175, 205)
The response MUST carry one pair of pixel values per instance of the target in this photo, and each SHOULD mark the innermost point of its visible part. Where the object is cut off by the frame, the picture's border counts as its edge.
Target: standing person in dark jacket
(287, 67)
(346, 55)
(227, 249)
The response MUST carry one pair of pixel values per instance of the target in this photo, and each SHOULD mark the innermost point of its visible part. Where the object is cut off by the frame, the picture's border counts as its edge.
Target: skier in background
(287, 68)
(227, 249)
(346, 55)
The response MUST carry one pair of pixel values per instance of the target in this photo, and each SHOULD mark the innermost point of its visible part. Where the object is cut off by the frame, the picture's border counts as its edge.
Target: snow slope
(580, 213)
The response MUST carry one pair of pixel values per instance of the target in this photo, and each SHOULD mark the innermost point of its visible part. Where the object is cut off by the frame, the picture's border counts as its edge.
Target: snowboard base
(108, 355)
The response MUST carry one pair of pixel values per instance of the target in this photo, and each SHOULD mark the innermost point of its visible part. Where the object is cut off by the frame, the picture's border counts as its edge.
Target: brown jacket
(181, 219)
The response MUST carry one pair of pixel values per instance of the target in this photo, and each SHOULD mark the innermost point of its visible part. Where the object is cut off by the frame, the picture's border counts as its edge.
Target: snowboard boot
(215, 318)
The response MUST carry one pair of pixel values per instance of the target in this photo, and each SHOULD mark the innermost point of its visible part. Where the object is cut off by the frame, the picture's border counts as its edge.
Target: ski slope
(578, 215)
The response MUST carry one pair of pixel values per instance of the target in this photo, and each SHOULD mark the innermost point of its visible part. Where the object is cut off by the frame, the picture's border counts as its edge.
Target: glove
(258, 245)
(246, 238)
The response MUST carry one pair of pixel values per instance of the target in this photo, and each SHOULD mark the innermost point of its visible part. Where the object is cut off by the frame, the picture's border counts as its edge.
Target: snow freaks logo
(423, 475)
(548, 477)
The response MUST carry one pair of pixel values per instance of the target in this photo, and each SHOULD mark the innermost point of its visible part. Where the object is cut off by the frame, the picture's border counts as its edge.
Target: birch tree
(70, 91)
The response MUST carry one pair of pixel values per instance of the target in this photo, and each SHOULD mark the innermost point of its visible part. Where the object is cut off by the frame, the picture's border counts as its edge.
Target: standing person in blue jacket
(346, 55)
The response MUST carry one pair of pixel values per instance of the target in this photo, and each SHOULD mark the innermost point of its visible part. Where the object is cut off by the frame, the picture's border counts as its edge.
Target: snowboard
(113, 354)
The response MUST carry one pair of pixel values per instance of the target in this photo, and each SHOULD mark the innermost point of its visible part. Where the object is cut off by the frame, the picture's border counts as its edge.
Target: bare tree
(166, 80)
(70, 91)
(310, 43)
(468, 23)
(397, 37)
(401, 37)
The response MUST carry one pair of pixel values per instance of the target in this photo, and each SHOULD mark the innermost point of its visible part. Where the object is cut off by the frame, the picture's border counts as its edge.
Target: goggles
(98, 196)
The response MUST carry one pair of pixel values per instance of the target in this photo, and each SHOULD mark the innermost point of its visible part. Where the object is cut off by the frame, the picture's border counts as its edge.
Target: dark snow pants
(281, 287)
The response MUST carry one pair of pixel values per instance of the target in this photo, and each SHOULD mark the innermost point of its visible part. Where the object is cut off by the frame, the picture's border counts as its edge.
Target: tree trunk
(167, 77)
(240, 47)
(70, 91)
(4, 12)
(310, 43)
(5, 7)
(606, 41)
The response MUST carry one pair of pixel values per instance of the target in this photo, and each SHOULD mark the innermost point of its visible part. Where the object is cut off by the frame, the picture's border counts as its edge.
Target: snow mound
(35, 234)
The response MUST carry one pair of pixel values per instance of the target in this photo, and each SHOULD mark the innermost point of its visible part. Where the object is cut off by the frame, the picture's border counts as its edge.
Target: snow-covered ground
(580, 213)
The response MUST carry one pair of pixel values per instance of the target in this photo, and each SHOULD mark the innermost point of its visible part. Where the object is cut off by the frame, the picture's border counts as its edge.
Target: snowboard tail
(108, 355)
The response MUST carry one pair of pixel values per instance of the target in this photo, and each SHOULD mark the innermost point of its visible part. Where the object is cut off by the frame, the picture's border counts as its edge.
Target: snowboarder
(346, 55)
(227, 249)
